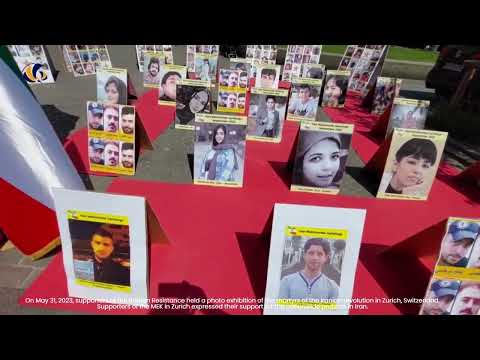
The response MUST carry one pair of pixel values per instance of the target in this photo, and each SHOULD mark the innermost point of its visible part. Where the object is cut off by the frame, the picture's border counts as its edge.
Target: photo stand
(367, 101)
(376, 164)
(380, 128)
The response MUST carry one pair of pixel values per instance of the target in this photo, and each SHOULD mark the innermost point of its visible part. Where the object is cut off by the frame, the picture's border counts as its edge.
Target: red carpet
(217, 248)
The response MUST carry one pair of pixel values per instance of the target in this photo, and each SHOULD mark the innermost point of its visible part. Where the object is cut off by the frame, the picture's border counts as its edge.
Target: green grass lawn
(395, 53)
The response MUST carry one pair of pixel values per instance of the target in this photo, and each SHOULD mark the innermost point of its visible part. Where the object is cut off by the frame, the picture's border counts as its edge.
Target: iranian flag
(32, 161)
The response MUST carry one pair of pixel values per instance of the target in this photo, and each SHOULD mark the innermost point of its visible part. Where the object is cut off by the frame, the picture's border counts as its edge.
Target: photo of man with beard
(128, 120)
(128, 155)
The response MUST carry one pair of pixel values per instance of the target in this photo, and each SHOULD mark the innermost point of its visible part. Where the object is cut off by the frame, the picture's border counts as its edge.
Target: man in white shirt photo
(304, 104)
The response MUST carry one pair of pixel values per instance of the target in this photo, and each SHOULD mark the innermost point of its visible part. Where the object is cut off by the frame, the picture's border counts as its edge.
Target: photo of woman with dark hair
(321, 159)
(115, 91)
(335, 90)
(410, 168)
(220, 162)
(190, 101)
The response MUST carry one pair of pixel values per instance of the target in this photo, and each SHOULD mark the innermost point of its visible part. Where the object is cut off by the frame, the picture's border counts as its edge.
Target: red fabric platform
(220, 236)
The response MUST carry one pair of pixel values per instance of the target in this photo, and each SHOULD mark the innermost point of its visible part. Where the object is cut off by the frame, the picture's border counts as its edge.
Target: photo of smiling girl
(321, 157)
(335, 91)
(412, 163)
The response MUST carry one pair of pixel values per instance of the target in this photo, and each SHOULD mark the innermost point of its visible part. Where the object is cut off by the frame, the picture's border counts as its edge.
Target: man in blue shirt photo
(311, 282)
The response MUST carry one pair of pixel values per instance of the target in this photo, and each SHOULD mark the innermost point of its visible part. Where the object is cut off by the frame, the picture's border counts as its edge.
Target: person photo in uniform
(97, 148)
(439, 297)
(127, 123)
(128, 155)
(311, 282)
(412, 163)
(220, 162)
(318, 161)
(467, 301)
(190, 101)
(152, 75)
(95, 116)
(111, 153)
(106, 270)
(110, 118)
(268, 122)
(169, 85)
(115, 91)
(457, 243)
(304, 104)
(335, 91)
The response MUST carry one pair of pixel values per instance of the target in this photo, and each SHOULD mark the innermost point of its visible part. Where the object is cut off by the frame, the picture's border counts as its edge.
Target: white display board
(104, 242)
(296, 227)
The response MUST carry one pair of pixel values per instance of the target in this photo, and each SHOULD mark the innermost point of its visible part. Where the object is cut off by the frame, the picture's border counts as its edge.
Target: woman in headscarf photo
(220, 162)
(190, 101)
(320, 160)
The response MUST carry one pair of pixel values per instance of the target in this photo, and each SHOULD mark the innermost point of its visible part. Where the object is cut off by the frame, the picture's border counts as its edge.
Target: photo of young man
(231, 100)
(439, 298)
(128, 155)
(267, 78)
(467, 301)
(96, 151)
(168, 84)
(241, 101)
(102, 253)
(243, 81)
(128, 120)
(457, 243)
(95, 116)
(111, 118)
(303, 103)
(310, 282)
(151, 73)
(112, 153)
(268, 122)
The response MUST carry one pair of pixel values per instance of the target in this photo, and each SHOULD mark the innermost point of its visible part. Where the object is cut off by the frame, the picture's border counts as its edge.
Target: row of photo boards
(223, 137)
(364, 63)
(312, 258)
(201, 60)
